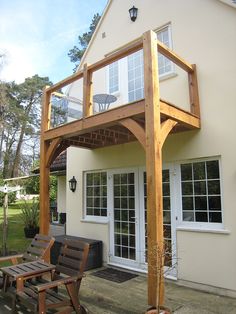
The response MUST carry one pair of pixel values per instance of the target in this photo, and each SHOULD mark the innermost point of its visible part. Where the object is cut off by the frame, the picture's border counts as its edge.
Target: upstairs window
(165, 65)
(113, 77)
(201, 192)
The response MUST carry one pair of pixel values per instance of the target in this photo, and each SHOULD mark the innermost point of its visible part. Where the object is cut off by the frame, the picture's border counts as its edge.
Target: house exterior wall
(61, 194)
(199, 38)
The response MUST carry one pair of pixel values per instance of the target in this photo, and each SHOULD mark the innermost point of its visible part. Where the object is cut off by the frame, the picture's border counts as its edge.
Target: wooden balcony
(149, 121)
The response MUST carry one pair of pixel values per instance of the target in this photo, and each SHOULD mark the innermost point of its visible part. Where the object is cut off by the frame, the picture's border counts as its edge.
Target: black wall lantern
(72, 184)
(133, 12)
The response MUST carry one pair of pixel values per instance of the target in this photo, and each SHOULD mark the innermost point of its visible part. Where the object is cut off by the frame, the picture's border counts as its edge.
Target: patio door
(128, 223)
(124, 224)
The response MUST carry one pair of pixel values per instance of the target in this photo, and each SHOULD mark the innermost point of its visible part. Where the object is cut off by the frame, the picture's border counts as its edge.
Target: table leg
(19, 284)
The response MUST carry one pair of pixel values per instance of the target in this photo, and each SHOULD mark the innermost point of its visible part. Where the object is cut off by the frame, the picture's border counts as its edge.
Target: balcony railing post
(44, 170)
(154, 170)
(87, 92)
(193, 92)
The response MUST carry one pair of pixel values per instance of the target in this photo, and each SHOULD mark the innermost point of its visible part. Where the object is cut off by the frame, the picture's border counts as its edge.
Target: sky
(36, 35)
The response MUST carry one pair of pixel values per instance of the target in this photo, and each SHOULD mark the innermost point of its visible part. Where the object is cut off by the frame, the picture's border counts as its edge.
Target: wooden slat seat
(39, 248)
(40, 296)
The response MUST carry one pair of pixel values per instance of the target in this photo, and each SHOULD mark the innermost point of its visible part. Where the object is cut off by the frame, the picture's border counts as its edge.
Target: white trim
(104, 221)
(194, 225)
(92, 218)
(204, 230)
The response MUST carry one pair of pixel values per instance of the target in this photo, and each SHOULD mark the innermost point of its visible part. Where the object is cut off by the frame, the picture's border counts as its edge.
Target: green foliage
(30, 213)
(20, 115)
(76, 53)
(53, 189)
(32, 185)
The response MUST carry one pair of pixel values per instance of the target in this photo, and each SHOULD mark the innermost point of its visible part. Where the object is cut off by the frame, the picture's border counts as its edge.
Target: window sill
(167, 76)
(203, 230)
(95, 220)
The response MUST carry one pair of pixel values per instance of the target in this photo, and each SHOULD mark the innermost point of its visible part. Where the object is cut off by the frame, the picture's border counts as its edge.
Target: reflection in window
(201, 192)
(113, 77)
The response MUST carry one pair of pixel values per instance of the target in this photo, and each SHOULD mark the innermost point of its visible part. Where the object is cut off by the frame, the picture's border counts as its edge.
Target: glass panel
(213, 169)
(188, 216)
(187, 188)
(214, 203)
(201, 216)
(200, 188)
(123, 189)
(186, 172)
(215, 217)
(187, 203)
(200, 203)
(213, 187)
(199, 171)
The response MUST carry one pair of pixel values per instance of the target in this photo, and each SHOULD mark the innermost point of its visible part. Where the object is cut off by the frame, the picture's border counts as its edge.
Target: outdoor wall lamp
(72, 184)
(133, 12)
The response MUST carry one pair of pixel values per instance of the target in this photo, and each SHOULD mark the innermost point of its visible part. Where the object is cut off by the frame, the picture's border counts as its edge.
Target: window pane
(188, 216)
(200, 188)
(213, 169)
(215, 217)
(187, 203)
(213, 187)
(201, 216)
(199, 170)
(187, 188)
(214, 203)
(166, 189)
(186, 172)
(200, 203)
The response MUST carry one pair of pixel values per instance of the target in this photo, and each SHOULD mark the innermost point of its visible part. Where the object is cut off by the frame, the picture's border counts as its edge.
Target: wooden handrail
(136, 45)
(168, 53)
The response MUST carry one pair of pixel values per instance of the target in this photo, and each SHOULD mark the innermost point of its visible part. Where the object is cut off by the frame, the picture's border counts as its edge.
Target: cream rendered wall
(61, 194)
(122, 156)
(200, 37)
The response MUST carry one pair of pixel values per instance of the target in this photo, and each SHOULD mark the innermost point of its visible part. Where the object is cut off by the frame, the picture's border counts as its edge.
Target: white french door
(124, 223)
(128, 223)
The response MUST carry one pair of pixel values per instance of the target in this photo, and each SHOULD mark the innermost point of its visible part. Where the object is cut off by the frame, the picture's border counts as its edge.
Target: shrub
(30, 213)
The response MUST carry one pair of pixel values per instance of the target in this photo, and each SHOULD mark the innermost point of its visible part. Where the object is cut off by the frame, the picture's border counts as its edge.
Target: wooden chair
(68, 273)
(39, 248)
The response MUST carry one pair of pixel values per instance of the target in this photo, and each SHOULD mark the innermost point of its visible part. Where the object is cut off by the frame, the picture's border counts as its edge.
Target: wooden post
(44, 170)
(193, 92)
(5, 221)
(87, 92)
(154, 170)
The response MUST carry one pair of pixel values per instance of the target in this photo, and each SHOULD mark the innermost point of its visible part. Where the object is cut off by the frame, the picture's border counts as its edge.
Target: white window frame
(117, 92)
(172, 72)
(93, 218)
(196, 225)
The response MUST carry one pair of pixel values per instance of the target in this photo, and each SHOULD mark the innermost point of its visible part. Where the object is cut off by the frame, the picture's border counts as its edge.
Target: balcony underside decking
(107, 128)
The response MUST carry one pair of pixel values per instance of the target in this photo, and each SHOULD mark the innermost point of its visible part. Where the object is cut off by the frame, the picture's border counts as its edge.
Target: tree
(76, 53)
(21, 116)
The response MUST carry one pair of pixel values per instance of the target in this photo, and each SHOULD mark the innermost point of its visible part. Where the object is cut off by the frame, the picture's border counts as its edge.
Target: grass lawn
(16, 240)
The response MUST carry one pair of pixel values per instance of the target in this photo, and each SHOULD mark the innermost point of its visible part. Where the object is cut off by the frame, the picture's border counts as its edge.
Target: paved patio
(106, 297)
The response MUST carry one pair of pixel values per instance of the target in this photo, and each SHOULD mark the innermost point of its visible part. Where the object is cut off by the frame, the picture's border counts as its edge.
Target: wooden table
(24, 271)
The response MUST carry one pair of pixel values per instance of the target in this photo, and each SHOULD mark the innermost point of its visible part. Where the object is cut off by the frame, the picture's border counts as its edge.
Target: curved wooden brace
(136, 129)
(166, 127)
(51, 150)
(58, 151)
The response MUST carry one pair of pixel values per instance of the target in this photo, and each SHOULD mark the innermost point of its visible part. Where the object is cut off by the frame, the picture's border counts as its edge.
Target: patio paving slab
(105, 297)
